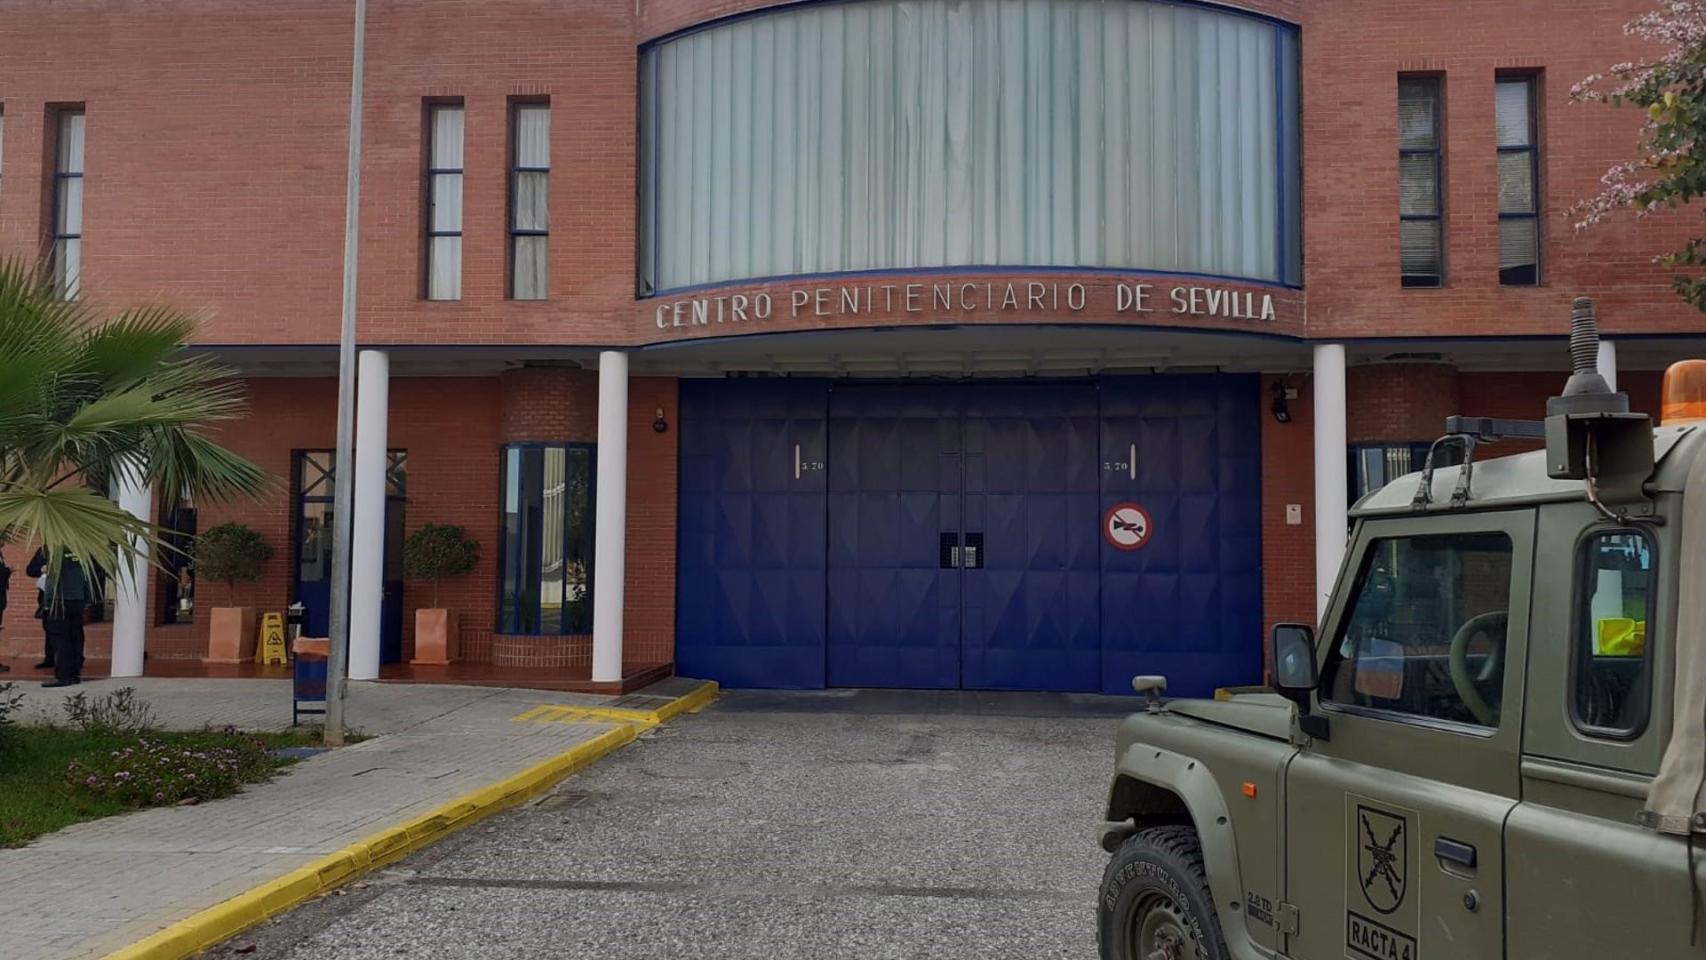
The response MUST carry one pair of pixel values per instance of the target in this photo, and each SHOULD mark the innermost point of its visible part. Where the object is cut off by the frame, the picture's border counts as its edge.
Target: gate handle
(1455, 851)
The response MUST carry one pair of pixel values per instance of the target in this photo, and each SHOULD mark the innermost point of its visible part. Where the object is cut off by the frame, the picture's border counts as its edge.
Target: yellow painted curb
(577, 713)
(223, 920)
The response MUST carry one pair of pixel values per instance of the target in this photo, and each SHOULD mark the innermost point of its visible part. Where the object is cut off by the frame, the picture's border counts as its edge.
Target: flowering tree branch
(1668, 171)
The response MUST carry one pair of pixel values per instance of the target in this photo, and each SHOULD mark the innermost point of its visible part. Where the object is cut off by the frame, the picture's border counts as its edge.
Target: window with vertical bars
(1515, 106)
(444, 202)
(529, 199)
(1374, 465)
(67, 241)
(1421, 182)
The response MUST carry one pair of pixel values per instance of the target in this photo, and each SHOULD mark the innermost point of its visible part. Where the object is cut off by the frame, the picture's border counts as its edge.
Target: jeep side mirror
(1294, 662)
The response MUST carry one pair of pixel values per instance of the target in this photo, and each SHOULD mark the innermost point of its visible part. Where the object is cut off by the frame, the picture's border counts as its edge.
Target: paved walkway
(771, 826)
(98, 886)
(252, 704)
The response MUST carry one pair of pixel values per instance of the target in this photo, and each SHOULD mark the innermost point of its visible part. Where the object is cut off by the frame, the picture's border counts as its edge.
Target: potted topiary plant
(433, 552)
(230, 554)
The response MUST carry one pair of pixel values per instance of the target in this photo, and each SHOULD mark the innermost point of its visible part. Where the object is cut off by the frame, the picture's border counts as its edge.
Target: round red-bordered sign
(1126, 526)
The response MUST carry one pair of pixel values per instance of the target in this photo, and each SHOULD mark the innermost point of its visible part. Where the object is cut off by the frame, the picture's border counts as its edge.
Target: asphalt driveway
(816, 825)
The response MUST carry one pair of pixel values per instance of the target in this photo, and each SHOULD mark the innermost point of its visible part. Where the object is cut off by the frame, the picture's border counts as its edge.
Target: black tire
(1155, 900)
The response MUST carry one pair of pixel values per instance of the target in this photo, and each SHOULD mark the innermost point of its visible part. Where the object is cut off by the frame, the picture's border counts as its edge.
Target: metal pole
(343, 476)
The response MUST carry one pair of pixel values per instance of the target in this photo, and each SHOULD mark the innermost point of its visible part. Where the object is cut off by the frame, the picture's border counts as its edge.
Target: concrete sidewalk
(96, 887)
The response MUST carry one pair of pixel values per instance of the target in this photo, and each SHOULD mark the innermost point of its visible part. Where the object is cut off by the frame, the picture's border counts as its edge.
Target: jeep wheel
(1155, 903)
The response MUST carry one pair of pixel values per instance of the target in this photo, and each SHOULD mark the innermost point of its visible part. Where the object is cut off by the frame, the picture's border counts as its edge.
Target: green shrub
(152, 772)
(118, 712)
(231, 554)
(439, 550)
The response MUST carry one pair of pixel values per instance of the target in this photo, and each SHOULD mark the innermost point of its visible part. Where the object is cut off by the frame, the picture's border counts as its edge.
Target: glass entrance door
(314, 474)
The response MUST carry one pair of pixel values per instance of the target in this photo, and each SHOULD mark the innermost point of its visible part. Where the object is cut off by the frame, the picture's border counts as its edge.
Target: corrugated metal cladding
(952, 535)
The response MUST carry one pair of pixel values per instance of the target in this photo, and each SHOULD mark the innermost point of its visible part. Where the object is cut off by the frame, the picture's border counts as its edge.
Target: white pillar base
(130, 606)
(367, 557)
(610, 538)
(1332, 494)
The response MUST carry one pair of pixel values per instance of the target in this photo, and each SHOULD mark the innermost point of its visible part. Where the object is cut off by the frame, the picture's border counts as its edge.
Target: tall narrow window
(1421, 244)
(545, 544)
(444, 202)
(529, 199)
(2, 136)
(68, 202)
(1519, 181)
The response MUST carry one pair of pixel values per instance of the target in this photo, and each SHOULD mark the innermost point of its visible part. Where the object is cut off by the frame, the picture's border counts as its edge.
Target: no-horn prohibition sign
(1127, 526)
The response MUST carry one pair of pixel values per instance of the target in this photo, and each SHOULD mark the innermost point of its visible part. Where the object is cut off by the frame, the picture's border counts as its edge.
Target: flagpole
(343, 466)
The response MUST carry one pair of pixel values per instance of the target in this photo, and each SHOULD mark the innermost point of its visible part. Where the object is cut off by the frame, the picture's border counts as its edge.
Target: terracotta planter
(231, 635)
(438, 636)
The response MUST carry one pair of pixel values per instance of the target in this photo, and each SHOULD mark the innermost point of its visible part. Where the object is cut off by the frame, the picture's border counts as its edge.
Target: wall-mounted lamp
(659, 424)
(1280, 408)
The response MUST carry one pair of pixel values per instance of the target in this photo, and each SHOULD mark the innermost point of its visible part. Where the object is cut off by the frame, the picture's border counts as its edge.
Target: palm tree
(87, 398)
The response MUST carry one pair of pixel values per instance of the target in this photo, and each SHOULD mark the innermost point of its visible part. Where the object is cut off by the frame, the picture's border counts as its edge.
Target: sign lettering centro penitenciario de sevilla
(877, 300)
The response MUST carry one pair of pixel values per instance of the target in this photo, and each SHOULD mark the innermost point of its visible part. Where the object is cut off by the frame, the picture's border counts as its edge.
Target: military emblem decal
(1381, 862)
(1381, 911)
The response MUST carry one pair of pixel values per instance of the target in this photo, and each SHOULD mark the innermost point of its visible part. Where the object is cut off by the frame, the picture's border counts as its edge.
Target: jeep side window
(1425, 632)
(1612, 667)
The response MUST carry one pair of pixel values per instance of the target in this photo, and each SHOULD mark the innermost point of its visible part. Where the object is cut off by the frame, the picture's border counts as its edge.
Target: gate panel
(1032, 614)
(1188, 604)
(894, 606)
(750, 573)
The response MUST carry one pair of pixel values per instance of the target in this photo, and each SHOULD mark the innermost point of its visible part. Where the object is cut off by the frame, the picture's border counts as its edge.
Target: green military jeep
(1498, 748)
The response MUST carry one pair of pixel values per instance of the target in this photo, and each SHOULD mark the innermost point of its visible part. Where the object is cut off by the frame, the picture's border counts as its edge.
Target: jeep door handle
(1455, 851)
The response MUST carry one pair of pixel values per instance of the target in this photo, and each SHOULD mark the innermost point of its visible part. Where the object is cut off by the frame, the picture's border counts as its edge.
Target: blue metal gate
(750, 569)
(1188, 604)
(939, 536)
(1032, 610)
(962, 537)
(894, 523)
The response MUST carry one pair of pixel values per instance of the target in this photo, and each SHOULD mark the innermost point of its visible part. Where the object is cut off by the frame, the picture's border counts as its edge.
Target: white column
(1607, 363)
(1331, 495)
(610, 537)
(367, 560)
(130, 606)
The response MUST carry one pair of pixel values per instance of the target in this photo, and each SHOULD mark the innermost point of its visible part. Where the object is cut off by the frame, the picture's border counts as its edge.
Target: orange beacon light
(1684, 393)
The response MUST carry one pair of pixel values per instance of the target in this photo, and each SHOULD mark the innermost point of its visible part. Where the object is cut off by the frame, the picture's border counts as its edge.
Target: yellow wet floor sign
(272, 639)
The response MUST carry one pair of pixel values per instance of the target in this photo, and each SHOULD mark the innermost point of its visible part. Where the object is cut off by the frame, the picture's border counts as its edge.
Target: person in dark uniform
(67, 599)
(5, 582)
(41, 615)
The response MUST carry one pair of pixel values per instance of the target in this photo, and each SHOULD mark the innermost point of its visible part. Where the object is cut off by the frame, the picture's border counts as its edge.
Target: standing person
(41, 614)
(67, 597)
(5, 581)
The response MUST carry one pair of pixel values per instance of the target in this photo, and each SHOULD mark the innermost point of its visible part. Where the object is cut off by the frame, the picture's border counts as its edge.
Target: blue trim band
(1135, 273)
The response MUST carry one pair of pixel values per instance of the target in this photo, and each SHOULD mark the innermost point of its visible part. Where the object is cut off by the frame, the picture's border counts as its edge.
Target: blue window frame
(545, 539)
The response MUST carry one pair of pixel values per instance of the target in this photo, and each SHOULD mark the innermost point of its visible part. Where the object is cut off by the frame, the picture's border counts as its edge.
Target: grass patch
(37, 798)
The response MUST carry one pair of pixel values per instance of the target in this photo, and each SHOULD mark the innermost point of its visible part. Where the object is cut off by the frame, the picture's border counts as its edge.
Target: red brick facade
(215, 180)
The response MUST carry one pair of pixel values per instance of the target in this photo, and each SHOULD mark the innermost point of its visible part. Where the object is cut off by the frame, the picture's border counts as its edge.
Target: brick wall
(1353, 51)
(1399, 402)
(549, 405)
(653, 465)
(216, 150)
(1288, 477)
